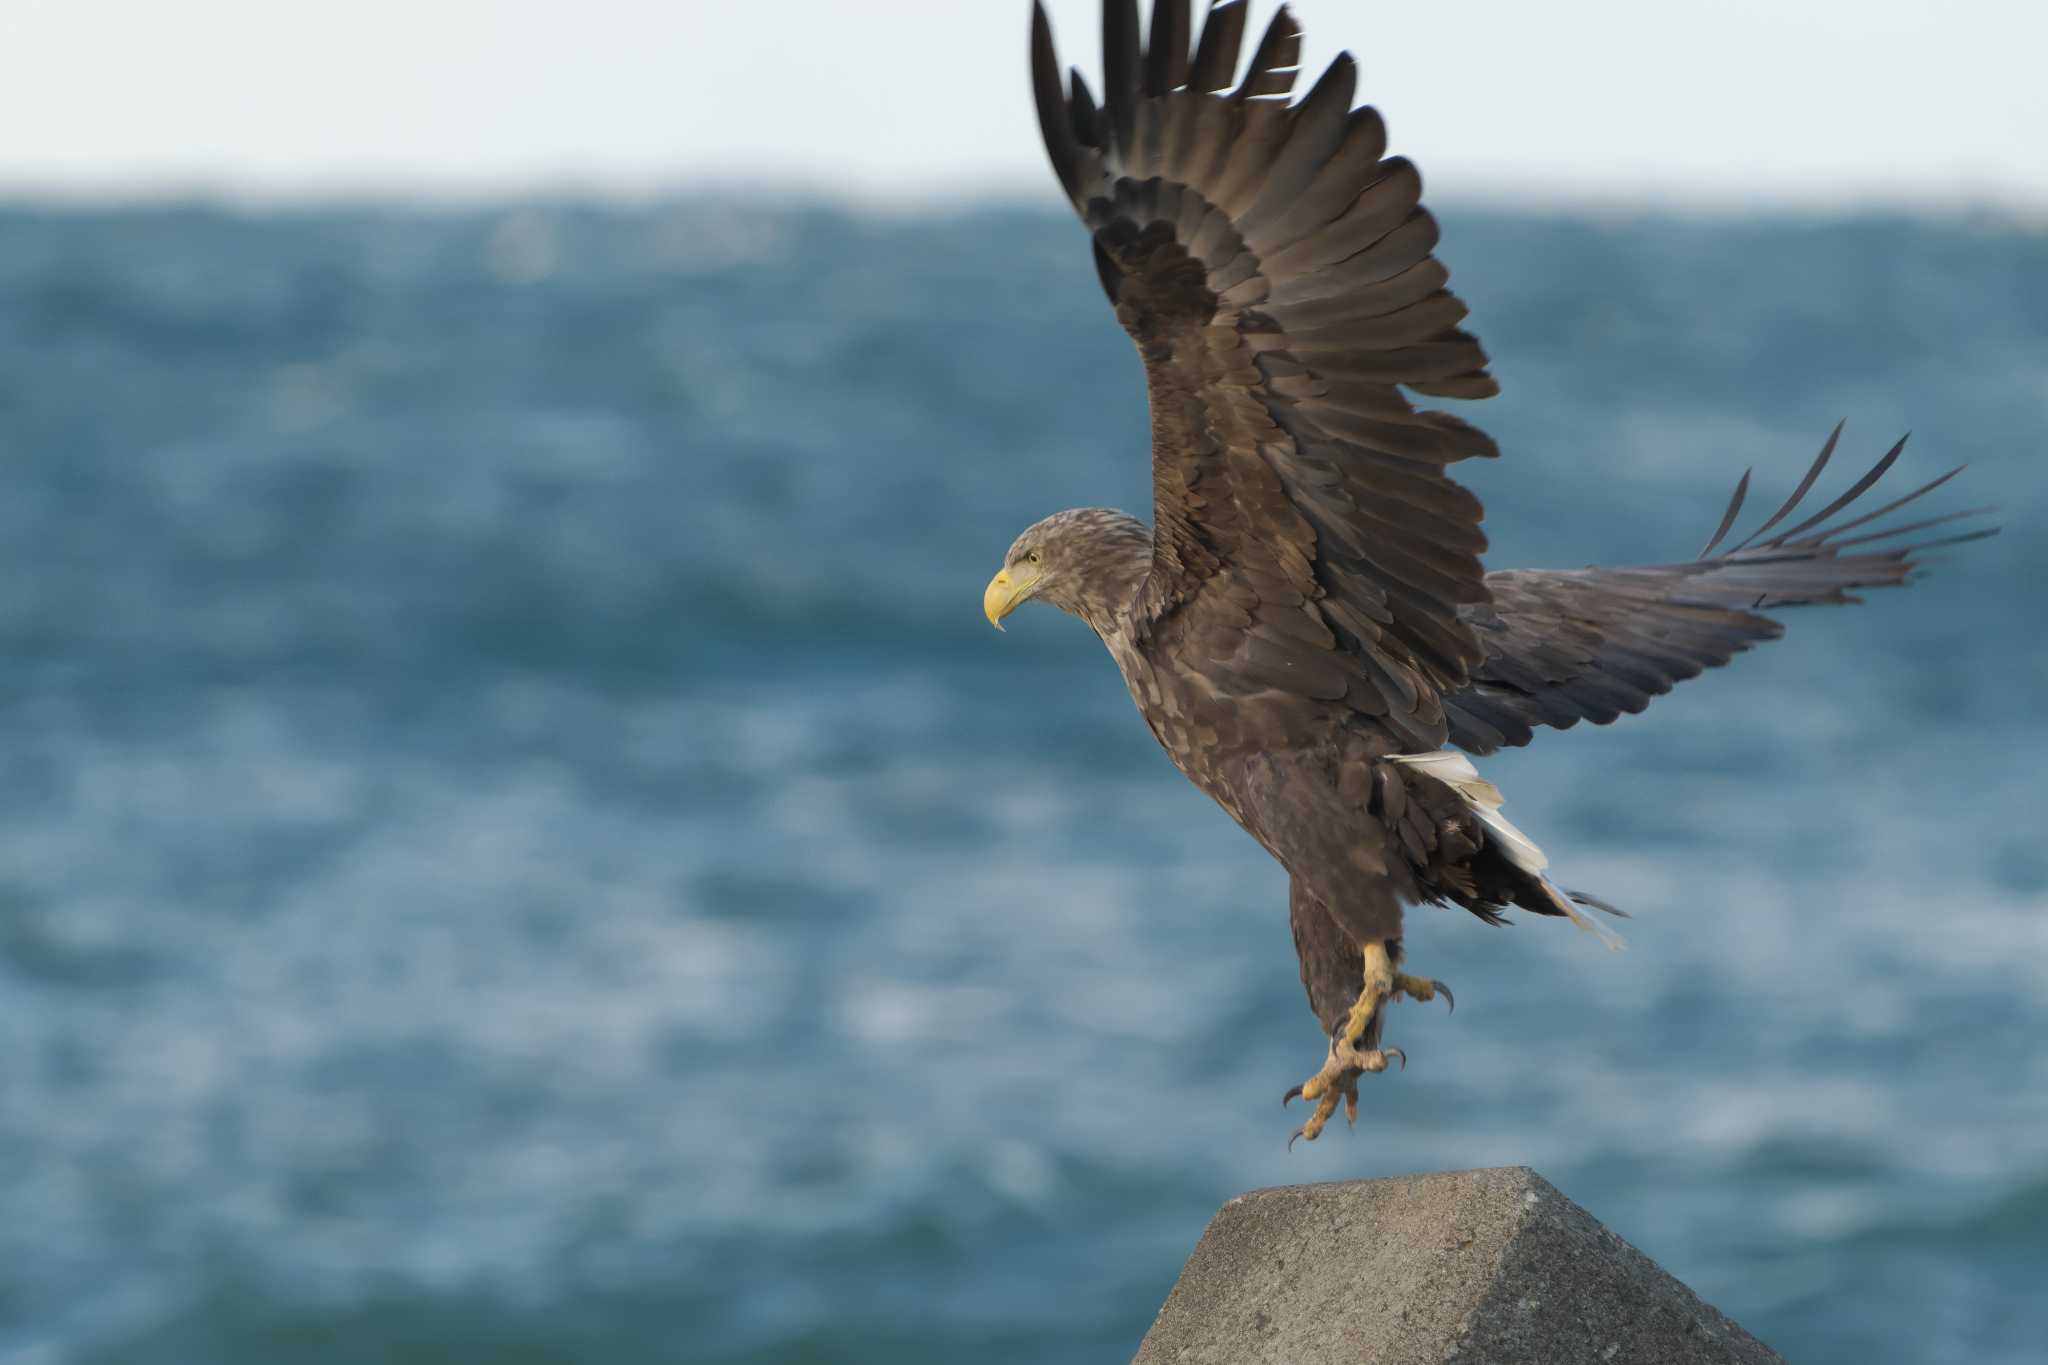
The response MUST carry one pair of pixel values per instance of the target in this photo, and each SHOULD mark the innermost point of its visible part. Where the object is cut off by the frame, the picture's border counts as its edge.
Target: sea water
(516, 842)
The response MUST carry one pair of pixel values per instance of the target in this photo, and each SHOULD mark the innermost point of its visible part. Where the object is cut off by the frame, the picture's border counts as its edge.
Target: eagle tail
(1529, 866)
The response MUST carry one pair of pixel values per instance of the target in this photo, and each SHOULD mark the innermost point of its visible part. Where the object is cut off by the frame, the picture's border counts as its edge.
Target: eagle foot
(1338, 1080)
(1353, 1047)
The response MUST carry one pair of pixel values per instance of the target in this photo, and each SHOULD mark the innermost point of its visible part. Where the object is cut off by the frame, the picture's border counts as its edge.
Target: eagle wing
(1592, 644)
(1274, 267)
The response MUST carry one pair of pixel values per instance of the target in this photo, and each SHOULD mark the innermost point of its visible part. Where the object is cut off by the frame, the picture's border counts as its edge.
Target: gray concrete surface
(1477, 1267)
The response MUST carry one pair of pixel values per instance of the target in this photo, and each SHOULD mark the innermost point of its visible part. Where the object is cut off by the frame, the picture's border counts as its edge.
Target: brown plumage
(1306, 624)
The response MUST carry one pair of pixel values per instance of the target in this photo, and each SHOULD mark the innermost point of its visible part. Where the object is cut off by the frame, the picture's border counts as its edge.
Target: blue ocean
(517, 843)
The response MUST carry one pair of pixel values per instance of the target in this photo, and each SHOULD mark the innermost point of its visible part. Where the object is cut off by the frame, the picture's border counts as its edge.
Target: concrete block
(1487, 1267)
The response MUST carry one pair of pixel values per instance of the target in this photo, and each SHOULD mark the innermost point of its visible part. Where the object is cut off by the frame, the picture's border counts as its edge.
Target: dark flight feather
(1855, 490)
(1894, 505)
(1166, 53)
(1728, 517)
(1827, 452)
(1222, 43)
(1274, 62)
(1061, 145)
(1120, 64)
(1315, 131)
(1702, 612)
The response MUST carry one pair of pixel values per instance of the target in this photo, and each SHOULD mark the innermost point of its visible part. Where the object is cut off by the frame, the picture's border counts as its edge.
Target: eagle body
(1306, 625)
(1361, 829)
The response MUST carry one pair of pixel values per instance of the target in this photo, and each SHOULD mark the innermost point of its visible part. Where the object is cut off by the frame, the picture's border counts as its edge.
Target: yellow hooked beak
(1004, 593)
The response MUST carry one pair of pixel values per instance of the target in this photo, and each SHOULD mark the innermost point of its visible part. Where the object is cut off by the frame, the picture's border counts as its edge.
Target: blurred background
(517, 844)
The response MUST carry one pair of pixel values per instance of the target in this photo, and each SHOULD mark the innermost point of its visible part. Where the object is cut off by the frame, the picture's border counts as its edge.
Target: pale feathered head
(1086, 562)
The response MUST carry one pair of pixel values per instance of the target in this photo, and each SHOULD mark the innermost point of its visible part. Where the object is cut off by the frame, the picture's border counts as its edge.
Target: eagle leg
(1354, 1048)
(1379, 984)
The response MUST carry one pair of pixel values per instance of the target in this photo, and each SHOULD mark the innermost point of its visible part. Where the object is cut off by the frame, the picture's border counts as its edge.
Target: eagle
(1306, 625)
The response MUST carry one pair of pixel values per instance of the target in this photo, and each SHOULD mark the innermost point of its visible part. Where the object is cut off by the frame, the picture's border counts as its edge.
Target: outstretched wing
(1591, 644)
(1273, 266)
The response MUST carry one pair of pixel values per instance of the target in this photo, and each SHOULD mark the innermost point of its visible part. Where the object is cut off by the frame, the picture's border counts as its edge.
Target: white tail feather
(1454, 770)
(1517, 847)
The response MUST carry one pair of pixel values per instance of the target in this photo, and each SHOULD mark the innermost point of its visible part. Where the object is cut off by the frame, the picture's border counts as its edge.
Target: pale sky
(1740, 103)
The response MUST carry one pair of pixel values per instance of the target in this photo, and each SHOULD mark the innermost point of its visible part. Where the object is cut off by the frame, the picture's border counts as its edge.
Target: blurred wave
(516, 843)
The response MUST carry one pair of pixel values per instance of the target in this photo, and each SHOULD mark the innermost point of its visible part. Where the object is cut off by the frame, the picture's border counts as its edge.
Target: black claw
(1296, 1138)
(1290, 1097)
(1396, 1052)
(1445, 992)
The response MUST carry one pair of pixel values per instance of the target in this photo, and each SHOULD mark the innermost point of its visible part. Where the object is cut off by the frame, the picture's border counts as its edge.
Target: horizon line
(998, 194)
